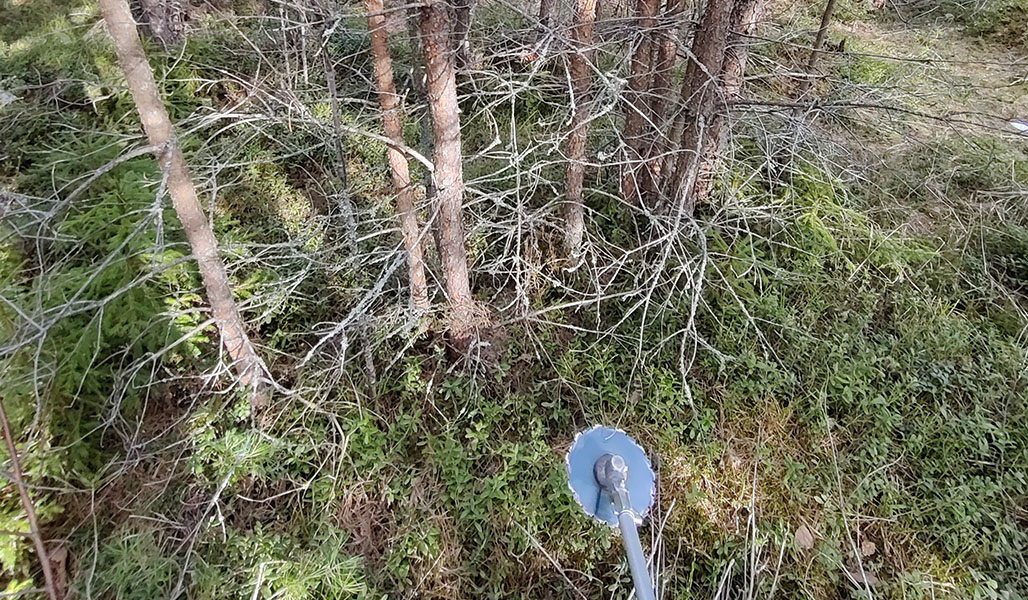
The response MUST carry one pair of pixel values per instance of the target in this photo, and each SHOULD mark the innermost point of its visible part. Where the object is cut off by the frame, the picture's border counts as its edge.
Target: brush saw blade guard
(588, 448)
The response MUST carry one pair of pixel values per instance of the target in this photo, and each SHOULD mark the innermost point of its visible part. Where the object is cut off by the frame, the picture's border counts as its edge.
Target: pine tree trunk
(743, 20)
(139, 76)
(581, 83)
(700, 89)
(637, 105)
(664, 58)
(441, 85)
(665, 54)
(392, 125)
(461, 28)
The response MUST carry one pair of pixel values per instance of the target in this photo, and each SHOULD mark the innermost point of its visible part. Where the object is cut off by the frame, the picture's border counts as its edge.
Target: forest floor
(838, 411)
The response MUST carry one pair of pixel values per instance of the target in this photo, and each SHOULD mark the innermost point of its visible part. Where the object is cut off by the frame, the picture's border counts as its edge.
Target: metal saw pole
(612, 475)
(612, 481)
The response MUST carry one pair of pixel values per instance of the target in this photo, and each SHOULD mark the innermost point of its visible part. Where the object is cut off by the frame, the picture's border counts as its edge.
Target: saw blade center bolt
(611, 472)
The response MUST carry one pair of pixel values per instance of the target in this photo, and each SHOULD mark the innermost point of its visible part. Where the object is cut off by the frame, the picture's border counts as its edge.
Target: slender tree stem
(441, 84)
(637, 105)
(30, 510)
(247, 363)
(392, 124)
(815, 51)
(581, 83)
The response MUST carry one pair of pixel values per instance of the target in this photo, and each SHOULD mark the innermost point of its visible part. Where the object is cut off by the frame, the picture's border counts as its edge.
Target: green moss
(1004, 20)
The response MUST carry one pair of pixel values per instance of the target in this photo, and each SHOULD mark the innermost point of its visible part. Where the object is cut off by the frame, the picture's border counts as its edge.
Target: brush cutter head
(599, 442)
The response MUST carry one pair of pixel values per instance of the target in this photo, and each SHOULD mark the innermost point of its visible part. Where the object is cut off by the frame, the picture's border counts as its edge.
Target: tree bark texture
(637, 104)
(743, 20)
(392, 125)
(581, 88)
(449, 177)
(700, 90)
(665, 51)
(665, 54)
(461, 27)
(139, 76)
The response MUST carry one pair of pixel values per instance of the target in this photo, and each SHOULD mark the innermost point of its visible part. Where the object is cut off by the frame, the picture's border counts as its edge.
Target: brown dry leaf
(868, 548)
(803, 538)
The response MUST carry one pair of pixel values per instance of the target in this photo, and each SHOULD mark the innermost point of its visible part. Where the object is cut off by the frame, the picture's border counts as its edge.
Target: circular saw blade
(589, 446)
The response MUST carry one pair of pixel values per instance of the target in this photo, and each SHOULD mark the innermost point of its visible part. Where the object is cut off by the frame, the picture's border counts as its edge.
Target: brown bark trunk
(461, 27)
(665, 54)
(392, 125)
(743, 20)
(581, 83)
(815, 51)
(139, 76)
(664, 57)
(669, 157)
(637, 106)
(449, 177)
(700, 90)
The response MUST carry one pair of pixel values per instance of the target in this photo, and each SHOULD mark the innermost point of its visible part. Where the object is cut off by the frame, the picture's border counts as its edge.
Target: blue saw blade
(589, 446)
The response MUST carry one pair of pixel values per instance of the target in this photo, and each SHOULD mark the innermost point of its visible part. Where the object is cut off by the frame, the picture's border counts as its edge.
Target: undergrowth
(1003, 20)
(859, 380)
